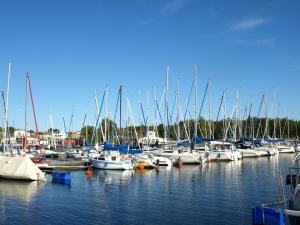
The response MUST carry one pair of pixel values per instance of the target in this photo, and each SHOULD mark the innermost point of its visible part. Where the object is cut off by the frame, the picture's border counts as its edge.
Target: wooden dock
(63, 165)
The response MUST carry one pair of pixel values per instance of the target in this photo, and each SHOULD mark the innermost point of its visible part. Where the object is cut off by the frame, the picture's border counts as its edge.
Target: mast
(211, 135)
(106, 115)
(71, 121)
(63, 142)
(64, 125)
(195, 109)
(26, 96)
(177, 108)
(6, 122)
(52, 132)
(226, 122)
(83, 128)
(288, 126)
(120, 121)
(236, 121)
(166, 105)
(97, 112)
(32, 103)
(132, 120)
(262, 101)
(6, 108)
(98, 116)
(266, 135)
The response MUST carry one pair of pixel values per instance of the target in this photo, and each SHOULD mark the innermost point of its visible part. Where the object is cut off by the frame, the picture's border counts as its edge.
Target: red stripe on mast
(35, 121)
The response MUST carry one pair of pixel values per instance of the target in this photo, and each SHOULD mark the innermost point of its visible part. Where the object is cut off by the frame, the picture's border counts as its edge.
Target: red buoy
(141, 166)
(180, 164)
(89, 172)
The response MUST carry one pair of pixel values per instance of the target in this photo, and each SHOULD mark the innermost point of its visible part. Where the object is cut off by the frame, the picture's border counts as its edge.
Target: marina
(212, 193)
(173, 112)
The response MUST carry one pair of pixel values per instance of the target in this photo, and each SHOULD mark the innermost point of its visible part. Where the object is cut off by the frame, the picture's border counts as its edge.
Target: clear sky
(73, 47)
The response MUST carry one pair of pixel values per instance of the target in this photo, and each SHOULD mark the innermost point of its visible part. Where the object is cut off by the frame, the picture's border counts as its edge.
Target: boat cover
(20, 168)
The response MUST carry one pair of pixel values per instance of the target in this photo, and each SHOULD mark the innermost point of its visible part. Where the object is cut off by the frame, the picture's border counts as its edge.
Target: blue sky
(71, 48)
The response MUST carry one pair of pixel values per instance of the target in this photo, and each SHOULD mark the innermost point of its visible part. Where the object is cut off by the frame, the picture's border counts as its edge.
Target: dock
(63, 165)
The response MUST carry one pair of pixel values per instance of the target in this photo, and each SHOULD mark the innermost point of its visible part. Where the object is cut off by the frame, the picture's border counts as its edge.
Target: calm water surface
(214, 193)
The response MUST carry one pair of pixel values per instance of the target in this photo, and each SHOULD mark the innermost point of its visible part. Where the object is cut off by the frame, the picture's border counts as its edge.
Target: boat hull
(216, 156)
(186, 157)
(286, 150)
(110, 165)
(249, 153)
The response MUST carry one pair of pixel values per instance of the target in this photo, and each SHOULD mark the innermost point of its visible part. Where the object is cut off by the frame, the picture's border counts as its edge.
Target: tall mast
(82, 129)
(195, 109)
(260, 106)
(211, 135)
(177, 107)
(6, 110)
(98, 117)
(132, 120)
(288, 126)
(26, 95)
(225, 122)
(237, 109)
(71, 121)
(267, 119)
(97, 112)
(52, 132)
(120, 121)
(106, 115)
(166, 104)
(5, 122)
(65, 131)
(32, 103)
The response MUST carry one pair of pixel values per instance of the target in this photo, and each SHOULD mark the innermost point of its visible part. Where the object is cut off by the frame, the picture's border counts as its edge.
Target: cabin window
(101, 158)
(113, 158)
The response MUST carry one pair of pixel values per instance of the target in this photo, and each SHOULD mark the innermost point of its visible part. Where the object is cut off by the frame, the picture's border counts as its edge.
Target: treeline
(222, 129)
(282, 128)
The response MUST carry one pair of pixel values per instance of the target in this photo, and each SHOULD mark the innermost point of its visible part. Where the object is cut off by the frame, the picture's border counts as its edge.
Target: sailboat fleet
(183, 141)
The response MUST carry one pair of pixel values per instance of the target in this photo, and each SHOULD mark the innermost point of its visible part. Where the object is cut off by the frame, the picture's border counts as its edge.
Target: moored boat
(20, 168)
(112, 160)
(187, 156)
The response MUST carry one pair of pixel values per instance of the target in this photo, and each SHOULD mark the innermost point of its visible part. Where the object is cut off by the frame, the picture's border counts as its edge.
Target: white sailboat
(223, 151)
(186, 155)
(112, 160)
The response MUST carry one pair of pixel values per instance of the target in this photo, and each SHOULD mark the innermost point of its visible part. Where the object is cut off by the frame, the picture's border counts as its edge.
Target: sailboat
(178, 153)
(112, 160)
(18, 167)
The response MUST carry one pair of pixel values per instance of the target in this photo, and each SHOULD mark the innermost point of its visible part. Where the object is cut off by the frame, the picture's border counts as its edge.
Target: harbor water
(213, 193)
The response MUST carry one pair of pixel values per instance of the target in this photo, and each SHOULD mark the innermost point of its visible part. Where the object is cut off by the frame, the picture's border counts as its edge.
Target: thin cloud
(248, 24)
(173, 6)
(169, 8)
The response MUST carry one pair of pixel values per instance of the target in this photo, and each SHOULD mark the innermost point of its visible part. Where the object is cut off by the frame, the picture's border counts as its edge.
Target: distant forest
(281, 128)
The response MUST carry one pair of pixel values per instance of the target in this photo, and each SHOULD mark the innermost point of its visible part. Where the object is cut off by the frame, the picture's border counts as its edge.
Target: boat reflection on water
(24, 191)
(114, 177)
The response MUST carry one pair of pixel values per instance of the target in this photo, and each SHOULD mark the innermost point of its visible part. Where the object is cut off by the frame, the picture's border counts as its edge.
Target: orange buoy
(141, 166)
(89, 172)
